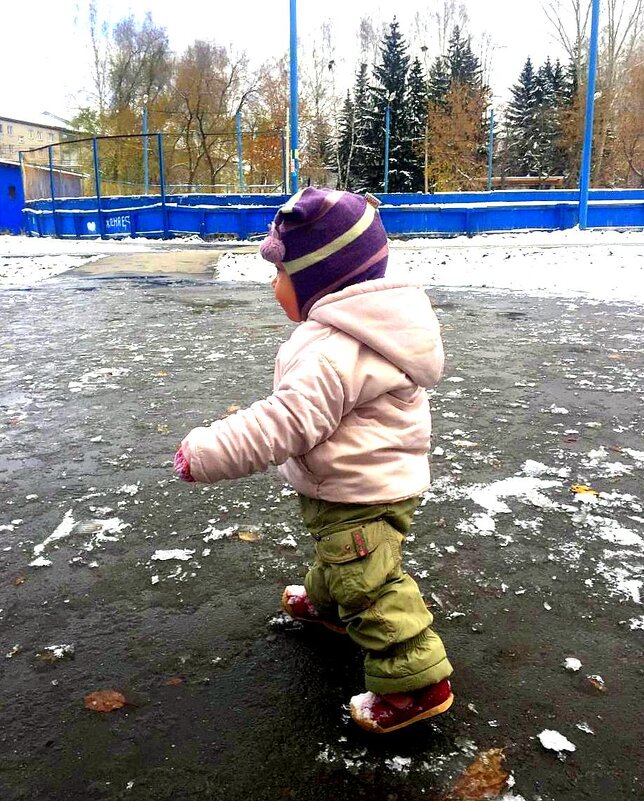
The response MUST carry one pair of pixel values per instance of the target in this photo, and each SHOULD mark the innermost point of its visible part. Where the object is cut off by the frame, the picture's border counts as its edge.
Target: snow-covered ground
(600, 265)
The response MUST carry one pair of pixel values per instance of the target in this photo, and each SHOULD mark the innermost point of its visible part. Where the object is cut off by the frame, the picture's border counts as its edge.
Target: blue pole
(284, 163)
(146, 168)
(295, 156)
(164, 210)
(52, 188)
(97, 184)
(586, 157)
(387, 129)
(490, 147)
(240, 171)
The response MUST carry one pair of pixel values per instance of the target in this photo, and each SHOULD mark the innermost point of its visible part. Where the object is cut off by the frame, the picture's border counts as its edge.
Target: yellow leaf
(581, 489)
(248, 535)
(484, 778)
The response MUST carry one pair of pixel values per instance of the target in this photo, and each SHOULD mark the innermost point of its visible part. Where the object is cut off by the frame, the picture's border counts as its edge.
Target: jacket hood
(393, 318)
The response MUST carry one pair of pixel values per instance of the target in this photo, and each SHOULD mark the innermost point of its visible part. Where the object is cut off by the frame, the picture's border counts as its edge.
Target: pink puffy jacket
(348, 420)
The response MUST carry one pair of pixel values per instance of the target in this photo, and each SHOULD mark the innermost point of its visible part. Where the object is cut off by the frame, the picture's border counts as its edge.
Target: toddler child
(348, 424)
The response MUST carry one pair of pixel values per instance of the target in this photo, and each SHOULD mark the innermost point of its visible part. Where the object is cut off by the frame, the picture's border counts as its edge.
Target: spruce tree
(416, 107)
(390, 89)
(361, 155)
(346, 142)
(545, 120)
(464, 66)
(438, 82)
(521, 123)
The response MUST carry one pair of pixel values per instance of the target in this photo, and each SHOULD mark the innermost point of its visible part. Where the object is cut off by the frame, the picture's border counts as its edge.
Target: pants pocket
(367, 564)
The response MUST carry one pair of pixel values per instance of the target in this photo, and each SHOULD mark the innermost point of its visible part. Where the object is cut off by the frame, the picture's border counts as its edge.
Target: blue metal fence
(241, 216)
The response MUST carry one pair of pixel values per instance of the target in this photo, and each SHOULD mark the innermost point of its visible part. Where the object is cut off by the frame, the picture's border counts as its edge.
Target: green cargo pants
(357, 576)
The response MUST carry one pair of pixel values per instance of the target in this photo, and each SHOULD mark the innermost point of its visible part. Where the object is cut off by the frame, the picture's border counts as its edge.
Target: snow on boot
(384, 713)
(295, 603)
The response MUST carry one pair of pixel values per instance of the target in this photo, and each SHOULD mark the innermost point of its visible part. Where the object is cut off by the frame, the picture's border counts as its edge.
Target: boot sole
(288, 609)
(375, 729)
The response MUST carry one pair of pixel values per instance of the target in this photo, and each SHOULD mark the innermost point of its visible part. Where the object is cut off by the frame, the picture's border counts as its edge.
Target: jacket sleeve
(304, 410)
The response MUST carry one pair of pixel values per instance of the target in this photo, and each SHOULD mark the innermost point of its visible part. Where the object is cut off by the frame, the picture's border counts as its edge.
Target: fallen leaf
(248, 535)
(597, 682)
(161, 374)
(484, 778)
(18, 581)
(162, 428)
(581, 489)
(174, 681)
(104, 700)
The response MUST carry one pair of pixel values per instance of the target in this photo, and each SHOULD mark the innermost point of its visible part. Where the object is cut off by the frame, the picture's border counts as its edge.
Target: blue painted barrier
(243, 216)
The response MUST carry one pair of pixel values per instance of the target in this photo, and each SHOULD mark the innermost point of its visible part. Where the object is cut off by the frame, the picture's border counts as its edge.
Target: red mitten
(181, 466)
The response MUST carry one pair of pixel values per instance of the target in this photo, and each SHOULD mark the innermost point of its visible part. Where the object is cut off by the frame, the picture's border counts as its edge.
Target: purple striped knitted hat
(326, 240)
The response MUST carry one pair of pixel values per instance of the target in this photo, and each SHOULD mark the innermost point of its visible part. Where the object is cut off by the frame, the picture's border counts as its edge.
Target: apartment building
(18, 134)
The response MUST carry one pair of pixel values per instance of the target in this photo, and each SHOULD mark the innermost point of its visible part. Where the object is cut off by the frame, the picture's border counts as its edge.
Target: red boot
(295, 603)
(385, 713)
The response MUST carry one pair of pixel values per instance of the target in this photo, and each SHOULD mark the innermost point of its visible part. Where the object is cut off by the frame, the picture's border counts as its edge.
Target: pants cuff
(406, 684)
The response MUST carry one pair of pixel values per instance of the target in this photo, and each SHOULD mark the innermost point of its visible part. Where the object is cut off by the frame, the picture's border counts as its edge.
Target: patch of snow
(584, 727)
(128, 489)
(399, 764)
(553, 741)
(64, 529)
(60, 651)
(572, 663)
(524, 488)
(182, 554)
(213, 533)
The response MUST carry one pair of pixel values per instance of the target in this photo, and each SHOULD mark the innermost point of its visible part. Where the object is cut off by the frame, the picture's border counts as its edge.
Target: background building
(39, 130)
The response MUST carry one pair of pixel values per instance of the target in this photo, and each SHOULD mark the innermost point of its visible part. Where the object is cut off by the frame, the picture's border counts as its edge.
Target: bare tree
(100, 45)
(621, 31)
(319, 106)
(571, 20)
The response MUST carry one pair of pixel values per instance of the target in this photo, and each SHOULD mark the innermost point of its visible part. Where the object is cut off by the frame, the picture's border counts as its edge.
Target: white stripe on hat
(337, 244)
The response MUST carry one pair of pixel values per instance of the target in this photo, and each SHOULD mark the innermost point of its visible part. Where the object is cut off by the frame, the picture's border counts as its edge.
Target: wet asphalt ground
(100, 378)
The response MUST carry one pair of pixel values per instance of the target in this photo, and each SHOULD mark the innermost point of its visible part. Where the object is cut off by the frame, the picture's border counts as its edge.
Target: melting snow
(183, 554)
(64, 529)
(524, 488)
(554, 741)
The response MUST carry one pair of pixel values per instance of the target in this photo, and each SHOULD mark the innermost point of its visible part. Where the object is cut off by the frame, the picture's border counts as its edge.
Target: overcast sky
(45, 61)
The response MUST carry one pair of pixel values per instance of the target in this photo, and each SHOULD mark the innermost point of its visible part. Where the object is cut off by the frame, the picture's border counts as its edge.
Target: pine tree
(416, 106)
(390, 89)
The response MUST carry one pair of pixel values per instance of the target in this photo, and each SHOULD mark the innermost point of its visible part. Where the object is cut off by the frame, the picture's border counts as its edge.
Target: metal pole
(284, 162)
(164, 210)
(52, 188)
(97, 184)
(586, 157)
(387, 127)
(295, 156)
(240, 170)
(23, 178)
(146, 168)
(490, 147)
